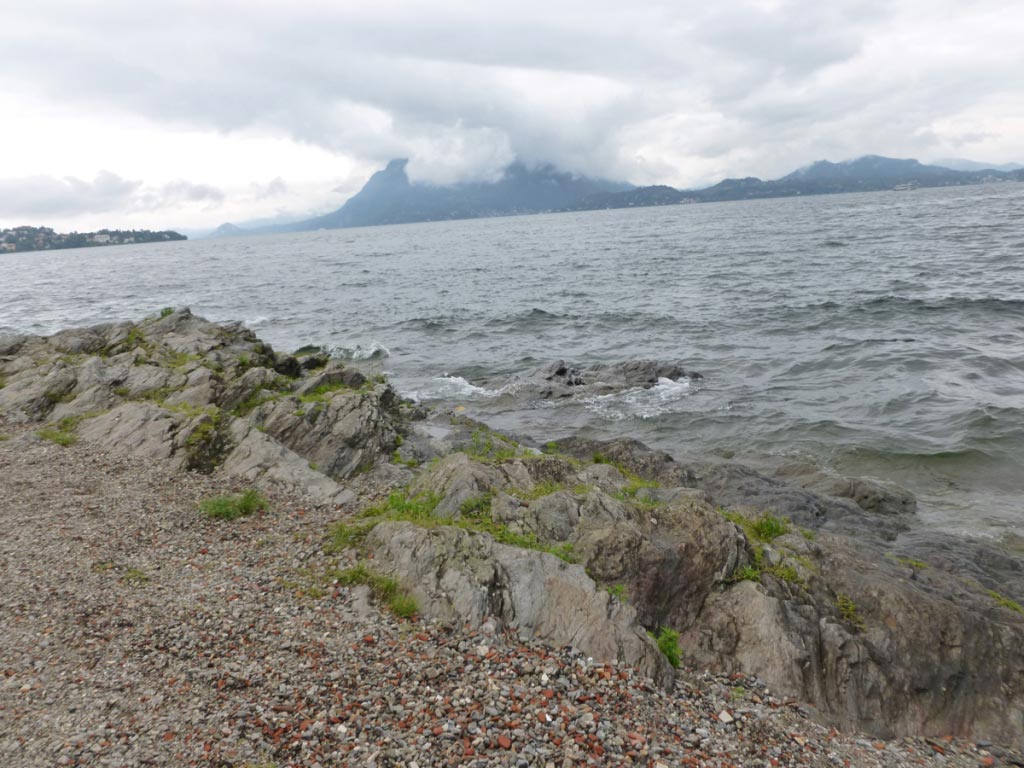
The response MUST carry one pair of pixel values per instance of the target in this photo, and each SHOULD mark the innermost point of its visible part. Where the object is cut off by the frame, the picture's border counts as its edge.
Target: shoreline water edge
(822, 593)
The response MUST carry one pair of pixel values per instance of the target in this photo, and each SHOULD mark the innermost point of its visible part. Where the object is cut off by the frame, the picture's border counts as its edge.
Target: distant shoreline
(26, 239)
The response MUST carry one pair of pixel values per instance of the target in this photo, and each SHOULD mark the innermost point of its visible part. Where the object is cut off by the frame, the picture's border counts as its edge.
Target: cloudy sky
(191, 113)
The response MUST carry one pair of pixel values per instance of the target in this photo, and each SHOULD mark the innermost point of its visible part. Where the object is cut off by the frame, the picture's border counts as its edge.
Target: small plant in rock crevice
(668, 643)
(848, 610)
(618, 591)
(765, 527)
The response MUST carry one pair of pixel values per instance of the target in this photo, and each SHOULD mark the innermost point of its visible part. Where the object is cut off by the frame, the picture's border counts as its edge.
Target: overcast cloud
(227, 111)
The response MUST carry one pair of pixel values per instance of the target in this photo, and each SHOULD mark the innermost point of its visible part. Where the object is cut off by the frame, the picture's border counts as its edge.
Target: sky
(188, 114)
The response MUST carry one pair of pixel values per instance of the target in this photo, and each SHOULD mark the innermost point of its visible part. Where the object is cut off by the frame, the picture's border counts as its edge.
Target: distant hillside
(959, 164)
(865, 174)
(390, 198)
(45, 239)
(228, 230)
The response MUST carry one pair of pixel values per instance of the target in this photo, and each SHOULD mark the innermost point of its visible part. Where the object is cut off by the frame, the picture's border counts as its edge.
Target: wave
(891, 301)
(454, 388)
(638, 403)
(375, 351)
(435, 323)
(988, 303)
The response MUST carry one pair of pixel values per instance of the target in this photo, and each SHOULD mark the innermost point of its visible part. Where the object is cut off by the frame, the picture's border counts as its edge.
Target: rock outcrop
(852, 607)
(205, 397)
(828, 588)
(467, 577)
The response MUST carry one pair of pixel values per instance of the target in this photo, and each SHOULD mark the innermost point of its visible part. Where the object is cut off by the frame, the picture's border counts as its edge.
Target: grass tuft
(491, 448)
(400, 506)
(323, 393)
(234, 507)
(474, 516)
(618, 591)
(1004, 601)
(848, 610)
(58, 436)
(135, 577)
(383, 588)
(766, 527)
(477, 506)
(345, 535)
(668, 643)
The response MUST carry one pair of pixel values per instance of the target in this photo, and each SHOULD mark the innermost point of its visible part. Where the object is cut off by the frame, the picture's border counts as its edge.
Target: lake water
(879, 334)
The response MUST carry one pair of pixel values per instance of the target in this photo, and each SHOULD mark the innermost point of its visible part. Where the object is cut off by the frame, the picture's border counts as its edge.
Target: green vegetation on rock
(324, 392)
(474, 515)
(1004, 601)
(784, 571)
(383, 588)
(63, 432)
(207, 444)
(618, 591)
(58, 436)
(491, 448)
(848, 610)
(668, 643)
(765, 527)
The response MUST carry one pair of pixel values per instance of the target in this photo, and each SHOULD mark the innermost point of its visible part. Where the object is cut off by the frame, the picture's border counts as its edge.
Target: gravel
(136, 632)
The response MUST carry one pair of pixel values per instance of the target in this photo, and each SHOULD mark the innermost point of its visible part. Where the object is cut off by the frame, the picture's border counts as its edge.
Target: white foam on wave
(454, 388)
(374, 351)
(639, 403)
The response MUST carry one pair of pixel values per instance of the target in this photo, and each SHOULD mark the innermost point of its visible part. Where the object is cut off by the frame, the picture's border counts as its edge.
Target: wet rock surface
(828, 589)
(561, 379)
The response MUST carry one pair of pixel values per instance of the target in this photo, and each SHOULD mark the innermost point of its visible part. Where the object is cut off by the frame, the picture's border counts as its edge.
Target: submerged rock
(560, 379)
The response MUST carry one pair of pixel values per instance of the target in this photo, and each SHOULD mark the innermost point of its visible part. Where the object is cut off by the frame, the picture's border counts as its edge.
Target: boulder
(266, 463)
(466, 577)
(343, 434)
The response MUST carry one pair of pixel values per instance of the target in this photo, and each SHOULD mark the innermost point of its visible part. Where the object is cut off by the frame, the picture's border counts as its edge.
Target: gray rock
(345, 434)
(870, 495)
(466, 577)
(266, 463)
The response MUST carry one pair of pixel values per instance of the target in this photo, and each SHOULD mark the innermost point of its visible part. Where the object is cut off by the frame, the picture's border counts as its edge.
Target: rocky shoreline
(551, 585)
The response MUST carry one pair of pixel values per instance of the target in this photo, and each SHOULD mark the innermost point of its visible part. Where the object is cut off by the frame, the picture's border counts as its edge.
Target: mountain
(228, 229)
(870, 168)
(389, 197)
(959, 164)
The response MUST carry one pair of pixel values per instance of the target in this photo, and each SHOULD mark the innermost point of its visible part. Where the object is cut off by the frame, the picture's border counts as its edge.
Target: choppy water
(881, 334)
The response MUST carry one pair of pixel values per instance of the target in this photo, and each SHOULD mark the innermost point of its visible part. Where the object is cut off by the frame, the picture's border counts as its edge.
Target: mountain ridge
(389, 197)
